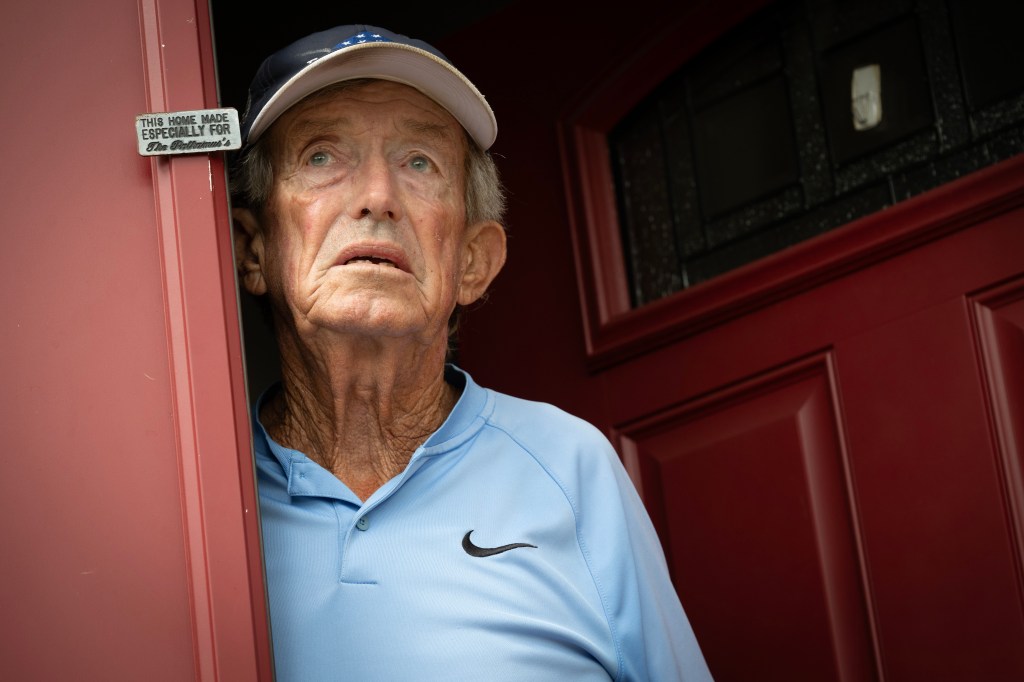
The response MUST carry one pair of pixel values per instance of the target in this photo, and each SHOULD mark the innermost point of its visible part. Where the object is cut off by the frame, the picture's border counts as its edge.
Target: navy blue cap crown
(361, 51)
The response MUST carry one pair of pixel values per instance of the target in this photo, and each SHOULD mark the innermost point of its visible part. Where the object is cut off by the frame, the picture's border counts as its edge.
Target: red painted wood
(614, 331)
(94, 576)
(768, 336)
(939, 550)
(999, 317)
(129, 534)
(749, 493)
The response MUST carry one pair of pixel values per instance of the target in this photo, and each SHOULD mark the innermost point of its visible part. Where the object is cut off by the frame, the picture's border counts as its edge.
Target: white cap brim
(419, 69)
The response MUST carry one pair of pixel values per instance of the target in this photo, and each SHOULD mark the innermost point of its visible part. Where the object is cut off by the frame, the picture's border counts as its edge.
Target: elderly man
(417, 526)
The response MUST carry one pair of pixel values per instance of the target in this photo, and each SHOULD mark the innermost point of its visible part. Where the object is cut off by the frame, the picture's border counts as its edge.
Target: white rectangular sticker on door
(188, 132)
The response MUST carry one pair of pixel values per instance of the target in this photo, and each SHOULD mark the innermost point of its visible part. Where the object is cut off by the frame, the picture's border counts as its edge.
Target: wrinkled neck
(359, 409)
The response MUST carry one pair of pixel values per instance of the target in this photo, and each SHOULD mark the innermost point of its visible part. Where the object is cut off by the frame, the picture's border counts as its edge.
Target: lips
(370, 259)
(382, 255)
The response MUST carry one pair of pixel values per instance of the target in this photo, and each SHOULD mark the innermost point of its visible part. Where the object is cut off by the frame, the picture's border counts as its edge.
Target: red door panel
(1000, 327)
(939, 550)
(750, 494)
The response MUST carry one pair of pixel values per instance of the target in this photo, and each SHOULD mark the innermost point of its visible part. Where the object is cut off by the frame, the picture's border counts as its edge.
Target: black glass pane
(991, 49)
(745, 148)
(645, 207)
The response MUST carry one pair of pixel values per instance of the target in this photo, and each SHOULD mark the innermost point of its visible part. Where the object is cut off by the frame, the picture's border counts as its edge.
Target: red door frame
(219, 503)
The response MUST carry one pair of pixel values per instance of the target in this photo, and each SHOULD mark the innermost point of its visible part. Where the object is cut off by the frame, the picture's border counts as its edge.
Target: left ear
(482, 259)
(249, 250)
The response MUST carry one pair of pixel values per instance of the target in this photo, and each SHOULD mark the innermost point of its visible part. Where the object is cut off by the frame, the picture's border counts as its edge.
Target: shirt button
(363, 523)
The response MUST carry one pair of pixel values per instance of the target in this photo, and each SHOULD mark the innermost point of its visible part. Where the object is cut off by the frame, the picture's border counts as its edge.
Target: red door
(836, 476)
(829, 439)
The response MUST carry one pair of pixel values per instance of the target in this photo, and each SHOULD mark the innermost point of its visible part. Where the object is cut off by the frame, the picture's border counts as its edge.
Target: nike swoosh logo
(473, 550)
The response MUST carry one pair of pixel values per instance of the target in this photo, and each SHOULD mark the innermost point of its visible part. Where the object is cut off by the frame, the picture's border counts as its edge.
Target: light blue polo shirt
(513, 547)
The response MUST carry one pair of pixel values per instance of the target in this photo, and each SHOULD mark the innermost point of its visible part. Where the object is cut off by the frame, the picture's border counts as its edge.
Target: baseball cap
(360, 51)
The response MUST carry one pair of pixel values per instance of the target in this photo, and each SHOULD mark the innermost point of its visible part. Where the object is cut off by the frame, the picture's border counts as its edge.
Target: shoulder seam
(620, 664)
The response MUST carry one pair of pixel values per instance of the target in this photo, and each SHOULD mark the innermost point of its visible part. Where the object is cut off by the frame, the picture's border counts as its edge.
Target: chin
(369, 322)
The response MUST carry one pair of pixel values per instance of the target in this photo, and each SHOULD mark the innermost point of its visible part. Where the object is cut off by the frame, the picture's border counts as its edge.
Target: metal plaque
(188, 132)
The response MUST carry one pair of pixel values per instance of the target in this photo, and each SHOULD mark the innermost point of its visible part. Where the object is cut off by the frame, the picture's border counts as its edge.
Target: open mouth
(382, 254)
(371, 259)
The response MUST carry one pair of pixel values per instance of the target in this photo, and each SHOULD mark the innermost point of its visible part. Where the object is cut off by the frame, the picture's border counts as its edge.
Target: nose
(376, 194)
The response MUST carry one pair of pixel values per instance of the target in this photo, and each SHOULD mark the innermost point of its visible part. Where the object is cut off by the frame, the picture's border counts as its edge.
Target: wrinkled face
(365, 229)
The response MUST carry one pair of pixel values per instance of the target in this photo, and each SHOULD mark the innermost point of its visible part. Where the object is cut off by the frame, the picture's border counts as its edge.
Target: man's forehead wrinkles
(316, 122)
(316, 126)
(438, 132)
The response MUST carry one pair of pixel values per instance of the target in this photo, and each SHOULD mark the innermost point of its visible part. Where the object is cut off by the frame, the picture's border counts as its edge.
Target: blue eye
(419, 163)
(319, 159)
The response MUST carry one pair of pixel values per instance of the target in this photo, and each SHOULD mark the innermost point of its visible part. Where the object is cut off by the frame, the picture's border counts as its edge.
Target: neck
(361, 409)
